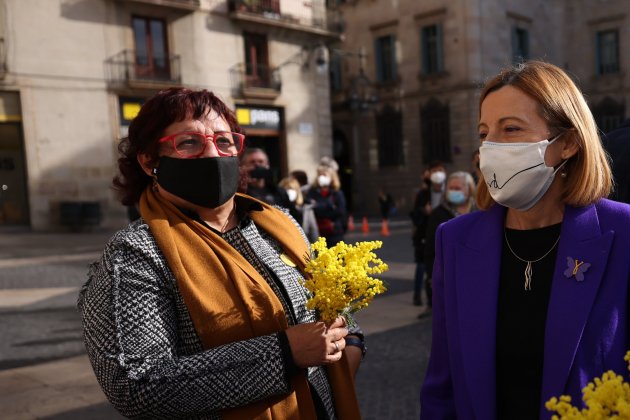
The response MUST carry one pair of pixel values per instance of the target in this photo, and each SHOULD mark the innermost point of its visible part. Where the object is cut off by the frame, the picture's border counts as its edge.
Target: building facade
(405, 81)
(73, 73)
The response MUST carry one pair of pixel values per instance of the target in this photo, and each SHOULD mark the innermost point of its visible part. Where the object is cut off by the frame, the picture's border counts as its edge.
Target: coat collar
(478, 262)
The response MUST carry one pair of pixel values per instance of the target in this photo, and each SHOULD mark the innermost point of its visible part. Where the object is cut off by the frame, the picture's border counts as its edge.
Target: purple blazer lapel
(477, 268)
(571, 300)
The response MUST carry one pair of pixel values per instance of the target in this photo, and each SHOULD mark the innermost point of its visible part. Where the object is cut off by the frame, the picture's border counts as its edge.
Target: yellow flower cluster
(339, 278)
(607, 397)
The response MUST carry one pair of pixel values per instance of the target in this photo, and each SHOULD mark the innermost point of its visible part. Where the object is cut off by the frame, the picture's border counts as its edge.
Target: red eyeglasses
(192, 144)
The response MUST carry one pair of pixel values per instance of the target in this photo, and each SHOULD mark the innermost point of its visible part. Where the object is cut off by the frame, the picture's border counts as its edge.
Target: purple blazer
(587, 322)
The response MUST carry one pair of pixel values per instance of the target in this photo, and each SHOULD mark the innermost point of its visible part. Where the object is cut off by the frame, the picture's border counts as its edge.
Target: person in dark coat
(428, 197)
(617, 144)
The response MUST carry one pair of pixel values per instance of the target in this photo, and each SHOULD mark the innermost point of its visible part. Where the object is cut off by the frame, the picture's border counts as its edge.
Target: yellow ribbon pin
(285, 259)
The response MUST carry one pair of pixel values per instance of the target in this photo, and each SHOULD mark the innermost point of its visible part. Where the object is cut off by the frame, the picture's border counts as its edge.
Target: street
(44, 372)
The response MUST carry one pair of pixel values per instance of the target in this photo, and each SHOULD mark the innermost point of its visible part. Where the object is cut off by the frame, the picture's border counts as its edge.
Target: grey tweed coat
(145, 351)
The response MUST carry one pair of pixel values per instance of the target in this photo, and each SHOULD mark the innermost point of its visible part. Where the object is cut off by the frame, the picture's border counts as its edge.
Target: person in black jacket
(458, 199)
(428, 197)
(617, 144)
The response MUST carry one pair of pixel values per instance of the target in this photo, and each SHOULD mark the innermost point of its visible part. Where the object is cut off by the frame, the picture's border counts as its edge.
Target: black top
(521, 319)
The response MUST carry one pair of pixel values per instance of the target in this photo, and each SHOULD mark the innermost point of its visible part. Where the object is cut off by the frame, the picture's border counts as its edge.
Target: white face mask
(292, 195)
(323, 180)
(438, 177)
(516, 173)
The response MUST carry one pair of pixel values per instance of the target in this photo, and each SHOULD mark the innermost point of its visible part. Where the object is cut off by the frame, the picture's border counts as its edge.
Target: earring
(563, 173)
(154, 178)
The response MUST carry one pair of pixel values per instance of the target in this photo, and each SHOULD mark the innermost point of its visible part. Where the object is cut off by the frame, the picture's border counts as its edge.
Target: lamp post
(361, 97)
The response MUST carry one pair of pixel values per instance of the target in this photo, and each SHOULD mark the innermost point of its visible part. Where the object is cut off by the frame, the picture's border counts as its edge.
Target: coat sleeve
(145, 353)
(436, 398)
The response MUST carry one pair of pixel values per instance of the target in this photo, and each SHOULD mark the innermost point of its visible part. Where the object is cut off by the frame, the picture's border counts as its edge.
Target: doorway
(13, 190)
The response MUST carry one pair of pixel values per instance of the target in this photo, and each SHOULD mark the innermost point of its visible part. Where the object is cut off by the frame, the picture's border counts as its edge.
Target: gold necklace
(528, 266)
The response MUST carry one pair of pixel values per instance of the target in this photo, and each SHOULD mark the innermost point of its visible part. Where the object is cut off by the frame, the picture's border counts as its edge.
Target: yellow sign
(242, 116)
(130, 110)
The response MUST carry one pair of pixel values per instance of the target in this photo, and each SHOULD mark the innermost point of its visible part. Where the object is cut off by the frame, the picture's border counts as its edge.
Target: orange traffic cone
(365, 228)
(384, 228)
(351, 223)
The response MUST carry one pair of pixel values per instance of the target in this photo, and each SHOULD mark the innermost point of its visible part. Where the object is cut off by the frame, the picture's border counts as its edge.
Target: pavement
(45, 374)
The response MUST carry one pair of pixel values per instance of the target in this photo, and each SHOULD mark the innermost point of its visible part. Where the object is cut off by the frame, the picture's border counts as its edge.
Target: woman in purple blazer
(530, 296)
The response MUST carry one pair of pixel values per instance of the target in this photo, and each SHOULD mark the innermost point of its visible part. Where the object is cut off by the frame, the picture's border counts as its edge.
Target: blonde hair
(563, 107)
(290, 183)
(335, 183)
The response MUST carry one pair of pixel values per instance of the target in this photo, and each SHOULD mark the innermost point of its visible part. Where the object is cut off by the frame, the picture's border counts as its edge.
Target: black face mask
(260, 172)
(207, 182)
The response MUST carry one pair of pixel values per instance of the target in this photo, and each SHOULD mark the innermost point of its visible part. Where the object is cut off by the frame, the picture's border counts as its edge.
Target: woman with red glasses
(197, 308)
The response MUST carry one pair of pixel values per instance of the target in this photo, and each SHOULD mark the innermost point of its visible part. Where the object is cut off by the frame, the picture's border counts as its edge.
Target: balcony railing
(128, 68)
(310, 16)
(249, 80)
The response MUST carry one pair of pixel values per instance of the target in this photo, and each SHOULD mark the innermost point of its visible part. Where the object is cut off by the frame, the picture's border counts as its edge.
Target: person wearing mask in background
(428, 197)
(302, 178)
(255, 163)
(306, 215)
(458, 199)
(329, 205)
(197, 309)
(530, 295)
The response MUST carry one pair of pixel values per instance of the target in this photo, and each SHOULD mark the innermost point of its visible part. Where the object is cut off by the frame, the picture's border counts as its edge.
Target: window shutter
(439, 49)
(394, 72)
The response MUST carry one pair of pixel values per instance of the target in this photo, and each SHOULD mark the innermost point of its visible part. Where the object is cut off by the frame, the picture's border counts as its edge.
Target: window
(335, 66)
(431, 44)
(385, 58)
(607, 52)
(434, 120)
(257, 72)
(520, 44)
(390, 138)
(151, 49)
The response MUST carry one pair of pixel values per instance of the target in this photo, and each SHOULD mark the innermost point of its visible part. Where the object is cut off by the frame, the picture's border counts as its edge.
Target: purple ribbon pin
(576, 268)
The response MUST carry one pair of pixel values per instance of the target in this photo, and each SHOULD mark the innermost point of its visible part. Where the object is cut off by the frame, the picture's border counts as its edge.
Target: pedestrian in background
(459, 198)
(197, 310)
(530, 296)
(386, 204)
(329, 205)
(260, 183)
(427, 198)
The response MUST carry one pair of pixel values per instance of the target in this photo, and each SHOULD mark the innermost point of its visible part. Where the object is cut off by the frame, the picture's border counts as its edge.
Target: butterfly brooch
(576, 268)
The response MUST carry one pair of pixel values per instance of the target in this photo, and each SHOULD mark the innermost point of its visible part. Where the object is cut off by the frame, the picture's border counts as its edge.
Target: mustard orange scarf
(229, 300)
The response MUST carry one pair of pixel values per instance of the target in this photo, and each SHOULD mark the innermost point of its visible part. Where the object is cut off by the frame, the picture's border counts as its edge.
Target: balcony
(311, 17)
(184, 5)
(258, 81)
(129, 70)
